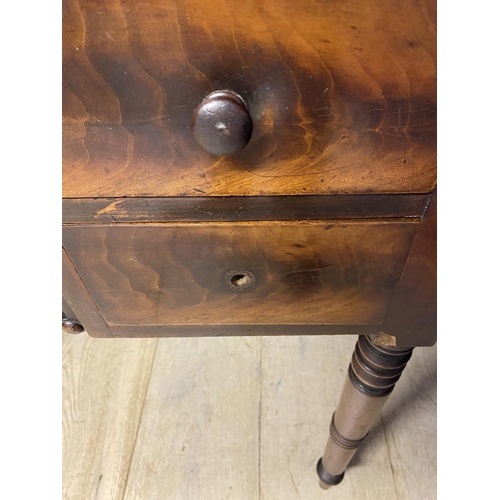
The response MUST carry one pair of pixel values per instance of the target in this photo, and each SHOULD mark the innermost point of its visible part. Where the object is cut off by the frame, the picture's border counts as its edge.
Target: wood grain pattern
(302, 379)
(240, 330)
(412, 314)
(67, 310)
(342, 95)
(104, 386)
(372, 375)
(412, 405)
(207, 447)
(76, 295)
(341, 273)
(300, 387)
(193, 395)
(238, 208)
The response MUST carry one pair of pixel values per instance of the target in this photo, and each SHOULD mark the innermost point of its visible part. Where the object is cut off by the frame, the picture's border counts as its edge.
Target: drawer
(342, 96)
(230, 274)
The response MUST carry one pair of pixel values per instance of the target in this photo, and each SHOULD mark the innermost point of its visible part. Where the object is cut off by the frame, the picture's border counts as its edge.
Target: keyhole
(239, 279)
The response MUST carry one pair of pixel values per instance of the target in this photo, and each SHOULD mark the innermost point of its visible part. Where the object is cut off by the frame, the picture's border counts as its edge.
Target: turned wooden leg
(373, 372)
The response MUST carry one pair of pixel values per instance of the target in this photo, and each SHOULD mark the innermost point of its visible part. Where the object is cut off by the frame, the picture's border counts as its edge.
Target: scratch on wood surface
(294, 484)
(97, 489)
(384, 340)
(108, 208)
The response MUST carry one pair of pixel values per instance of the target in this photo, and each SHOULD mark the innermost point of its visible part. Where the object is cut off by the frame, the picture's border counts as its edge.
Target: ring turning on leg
(372, 375)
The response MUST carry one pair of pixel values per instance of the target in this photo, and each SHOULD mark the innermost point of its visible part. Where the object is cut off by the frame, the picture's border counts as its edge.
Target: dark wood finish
(342, 96)
(290, 202)
(222, 124)
(67, 311)
(412, 315)
(80, 301)
(239, 330)
(374, 369)
(340, 272)
(237, 208)
(373, 372)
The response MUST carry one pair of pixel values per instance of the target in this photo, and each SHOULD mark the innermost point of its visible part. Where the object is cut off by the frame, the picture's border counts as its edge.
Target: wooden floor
(233, 418)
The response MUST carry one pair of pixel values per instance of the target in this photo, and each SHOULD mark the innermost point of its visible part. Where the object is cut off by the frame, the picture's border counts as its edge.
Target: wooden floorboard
(409, 421)
(104, 386)
(301, 382)
(234, 418)
(199, 431)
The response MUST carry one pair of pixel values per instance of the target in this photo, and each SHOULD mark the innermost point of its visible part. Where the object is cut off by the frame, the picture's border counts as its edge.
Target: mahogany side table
(255, 168)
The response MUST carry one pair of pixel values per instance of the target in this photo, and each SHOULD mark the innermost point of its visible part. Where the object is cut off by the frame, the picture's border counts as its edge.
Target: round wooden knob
(222, 124)
(72, 326)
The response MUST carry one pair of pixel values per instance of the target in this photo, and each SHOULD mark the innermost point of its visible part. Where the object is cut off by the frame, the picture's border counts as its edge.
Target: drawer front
(268, 273)
(342, 96)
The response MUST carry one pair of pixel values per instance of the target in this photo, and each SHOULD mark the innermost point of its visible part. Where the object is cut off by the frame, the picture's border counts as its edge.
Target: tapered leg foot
(325, 478)
(372, 375)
